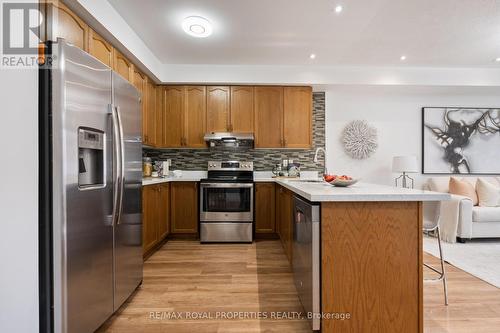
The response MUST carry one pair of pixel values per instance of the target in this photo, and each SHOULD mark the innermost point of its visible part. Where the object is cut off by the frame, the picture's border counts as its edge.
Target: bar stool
(431, 225)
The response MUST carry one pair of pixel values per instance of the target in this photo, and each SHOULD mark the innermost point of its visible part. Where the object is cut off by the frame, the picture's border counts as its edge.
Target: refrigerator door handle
(122, 164)
(116, 162)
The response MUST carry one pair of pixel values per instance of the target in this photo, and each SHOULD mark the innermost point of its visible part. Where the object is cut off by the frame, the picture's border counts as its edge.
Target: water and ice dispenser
(90, 158)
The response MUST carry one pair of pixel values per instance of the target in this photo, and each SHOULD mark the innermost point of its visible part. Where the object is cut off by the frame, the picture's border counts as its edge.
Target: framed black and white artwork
(460, 140)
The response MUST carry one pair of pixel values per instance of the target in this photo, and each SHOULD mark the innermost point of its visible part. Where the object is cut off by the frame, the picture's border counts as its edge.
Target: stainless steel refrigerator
(93, 176)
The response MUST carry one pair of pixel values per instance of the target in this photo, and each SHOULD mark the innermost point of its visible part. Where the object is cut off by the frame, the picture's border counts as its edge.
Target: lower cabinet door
(163, 211)
(149, 216)
(265, 204)
(184, 207)
(284, 217)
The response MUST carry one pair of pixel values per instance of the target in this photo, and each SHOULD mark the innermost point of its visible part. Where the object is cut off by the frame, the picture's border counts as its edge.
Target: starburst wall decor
(359, 139)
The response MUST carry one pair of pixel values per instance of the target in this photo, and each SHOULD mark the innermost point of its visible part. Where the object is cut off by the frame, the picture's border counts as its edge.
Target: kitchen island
(371, 255)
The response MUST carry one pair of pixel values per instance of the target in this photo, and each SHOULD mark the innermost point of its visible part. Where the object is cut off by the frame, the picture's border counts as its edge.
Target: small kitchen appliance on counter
(226, 202)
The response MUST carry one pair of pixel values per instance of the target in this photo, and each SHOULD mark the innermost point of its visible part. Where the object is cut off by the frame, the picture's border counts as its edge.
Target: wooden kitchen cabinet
(268, 117)
(160, 114)
(297, 117)
(284, 219)
(265, 205)
(184, 124)
(66, 24)
(150, 216)
(195, 117)
(149, 114)
(218, 109)
(140, 83)
(155, 215)
(242, 109)
(184, 207)
(123, 66)
(173, 111)
(163, 226)
(100, 48)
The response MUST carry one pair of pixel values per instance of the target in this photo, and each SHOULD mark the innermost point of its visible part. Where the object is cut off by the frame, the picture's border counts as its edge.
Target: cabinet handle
(284, 142)
(146, 138)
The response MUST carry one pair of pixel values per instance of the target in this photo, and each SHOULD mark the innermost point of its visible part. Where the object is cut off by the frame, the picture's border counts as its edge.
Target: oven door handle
(227, 185)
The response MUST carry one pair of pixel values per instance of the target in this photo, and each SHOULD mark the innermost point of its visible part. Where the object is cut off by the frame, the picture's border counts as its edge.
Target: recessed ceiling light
(312, 56)
(338, 9)
(197, 26)
(497, 59)
(402, 58)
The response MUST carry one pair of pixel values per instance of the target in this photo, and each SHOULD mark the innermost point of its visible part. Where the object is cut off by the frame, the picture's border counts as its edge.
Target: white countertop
(187, 176)
(323, 192)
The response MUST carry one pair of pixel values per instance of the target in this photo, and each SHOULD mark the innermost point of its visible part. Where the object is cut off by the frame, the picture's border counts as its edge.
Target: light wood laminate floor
(189, 278)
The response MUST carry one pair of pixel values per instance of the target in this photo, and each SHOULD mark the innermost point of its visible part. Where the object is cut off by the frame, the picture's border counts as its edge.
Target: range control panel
(230, 165)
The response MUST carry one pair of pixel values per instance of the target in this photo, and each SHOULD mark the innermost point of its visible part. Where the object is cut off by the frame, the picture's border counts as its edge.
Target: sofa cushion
(489, 194)
(464, 188)
(439, 184)
(485, 214)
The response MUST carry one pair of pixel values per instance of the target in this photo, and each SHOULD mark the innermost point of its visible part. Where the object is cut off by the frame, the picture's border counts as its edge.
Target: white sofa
(473, 221)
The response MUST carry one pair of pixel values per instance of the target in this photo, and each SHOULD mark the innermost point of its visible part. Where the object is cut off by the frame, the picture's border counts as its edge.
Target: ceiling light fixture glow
(312, 56)
(402, 58)
(497, 59)
(197, 26)
(338, 9)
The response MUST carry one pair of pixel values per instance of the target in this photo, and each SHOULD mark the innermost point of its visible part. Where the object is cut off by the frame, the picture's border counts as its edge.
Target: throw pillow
(489, 194)
(464, 188)
(439, 184)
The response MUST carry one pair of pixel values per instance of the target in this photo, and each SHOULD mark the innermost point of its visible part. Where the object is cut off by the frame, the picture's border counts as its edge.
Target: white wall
(19, 201)
(396, 113)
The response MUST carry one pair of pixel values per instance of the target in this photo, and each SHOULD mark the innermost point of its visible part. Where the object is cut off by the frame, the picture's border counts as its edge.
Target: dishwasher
(306, 257)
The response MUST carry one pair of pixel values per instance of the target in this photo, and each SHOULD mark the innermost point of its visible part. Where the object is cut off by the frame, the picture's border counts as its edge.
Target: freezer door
(128, 228)
(82, 191)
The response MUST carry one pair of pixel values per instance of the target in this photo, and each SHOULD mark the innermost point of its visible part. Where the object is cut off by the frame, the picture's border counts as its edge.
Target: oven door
(220, 202)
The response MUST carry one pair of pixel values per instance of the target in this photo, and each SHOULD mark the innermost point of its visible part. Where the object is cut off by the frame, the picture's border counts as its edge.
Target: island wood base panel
(372, 266)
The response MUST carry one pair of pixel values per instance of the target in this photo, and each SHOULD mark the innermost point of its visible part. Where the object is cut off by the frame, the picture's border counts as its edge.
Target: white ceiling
(431, 33)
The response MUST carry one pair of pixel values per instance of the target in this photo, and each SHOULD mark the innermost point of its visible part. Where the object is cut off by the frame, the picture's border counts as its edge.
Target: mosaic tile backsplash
(264, 159)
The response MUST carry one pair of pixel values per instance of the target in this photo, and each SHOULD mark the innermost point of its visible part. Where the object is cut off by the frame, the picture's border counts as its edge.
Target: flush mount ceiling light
(197, 26)
(312, 56)
(497, 59)
(402, 58)
(338, 9)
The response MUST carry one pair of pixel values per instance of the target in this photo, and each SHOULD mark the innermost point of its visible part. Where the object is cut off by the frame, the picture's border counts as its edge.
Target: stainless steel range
(226, 202)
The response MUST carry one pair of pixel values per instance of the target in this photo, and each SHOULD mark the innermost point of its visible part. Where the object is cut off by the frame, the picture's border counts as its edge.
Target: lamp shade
(406, 164)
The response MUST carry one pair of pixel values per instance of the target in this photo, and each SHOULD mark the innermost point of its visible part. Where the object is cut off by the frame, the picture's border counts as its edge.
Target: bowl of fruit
(341, 181)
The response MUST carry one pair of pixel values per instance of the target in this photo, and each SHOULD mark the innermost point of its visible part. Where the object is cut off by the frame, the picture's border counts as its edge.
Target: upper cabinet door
(123, 66)
(139, 82)
(100, 48)
(297, 117)
(150, 113)
(194, 116)
(268, 117)
(173, 120)
(242, 110)
(218, 109)
(159, 115)
(67, 25)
